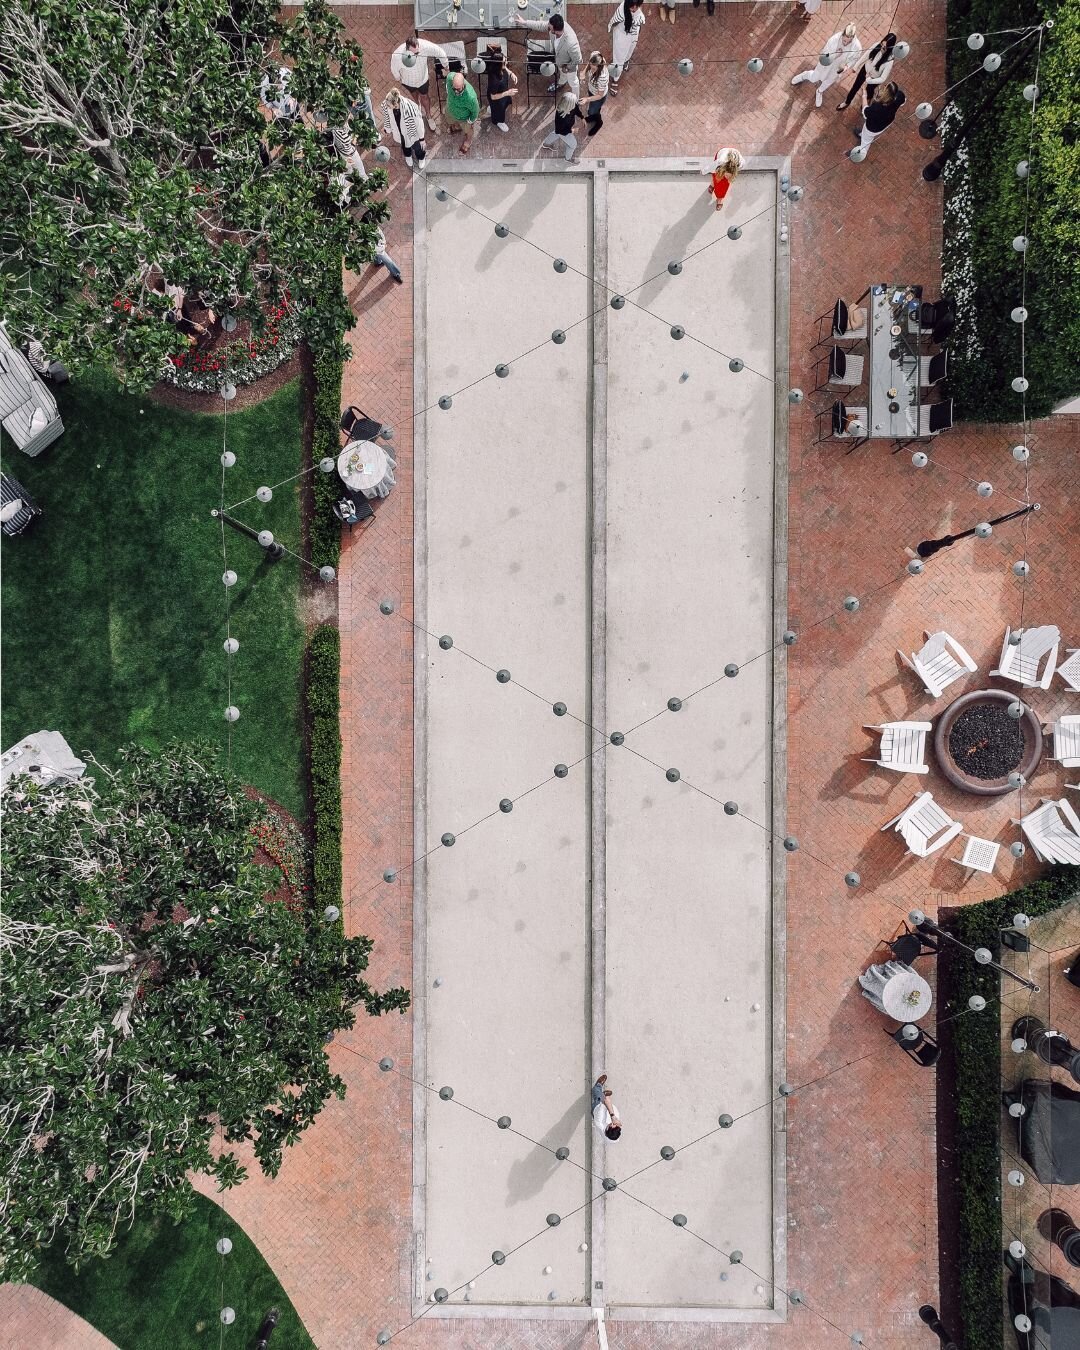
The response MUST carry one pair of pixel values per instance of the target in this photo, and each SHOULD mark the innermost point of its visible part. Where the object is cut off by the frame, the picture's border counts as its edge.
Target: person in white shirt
(605, 1113)
(844, 50)
(415, 79)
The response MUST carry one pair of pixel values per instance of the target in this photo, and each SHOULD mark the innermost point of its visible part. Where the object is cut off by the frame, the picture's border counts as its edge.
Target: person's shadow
(529, 1175)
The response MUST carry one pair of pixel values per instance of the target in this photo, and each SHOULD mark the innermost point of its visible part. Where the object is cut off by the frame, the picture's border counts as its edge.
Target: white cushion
(11, 510)
(39, 420)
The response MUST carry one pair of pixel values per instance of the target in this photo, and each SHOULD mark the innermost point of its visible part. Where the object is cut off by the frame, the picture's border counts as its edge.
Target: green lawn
(113, 605)
(165, 1285)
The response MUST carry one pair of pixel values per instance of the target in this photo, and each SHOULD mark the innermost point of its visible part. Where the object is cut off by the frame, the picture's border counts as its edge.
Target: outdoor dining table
(897, 991)
(896, 343)
(367, 468)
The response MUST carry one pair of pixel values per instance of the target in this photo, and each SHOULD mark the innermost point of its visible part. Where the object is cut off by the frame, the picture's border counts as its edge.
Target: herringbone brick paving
(336, 1224)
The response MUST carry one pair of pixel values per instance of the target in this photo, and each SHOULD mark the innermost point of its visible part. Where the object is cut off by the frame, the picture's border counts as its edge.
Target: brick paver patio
(862, 1239)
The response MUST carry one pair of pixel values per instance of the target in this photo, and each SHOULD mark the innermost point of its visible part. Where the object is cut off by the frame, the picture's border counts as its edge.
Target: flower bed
(243, 359)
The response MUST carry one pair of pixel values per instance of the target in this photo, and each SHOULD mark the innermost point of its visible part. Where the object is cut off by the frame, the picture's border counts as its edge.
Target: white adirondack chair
(924, 826)
(903, 746)
(1053, 831)
(1066, 734)
(1069, 670)
(940, 662)
(1020, 663)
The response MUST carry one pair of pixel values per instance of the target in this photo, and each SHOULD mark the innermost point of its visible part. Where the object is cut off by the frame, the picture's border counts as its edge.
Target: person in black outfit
(501, 88)
(567, 113)
(874, 70)
(879, 113)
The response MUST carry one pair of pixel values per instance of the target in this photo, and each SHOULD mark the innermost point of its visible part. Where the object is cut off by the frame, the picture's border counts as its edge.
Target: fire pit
(978, 744)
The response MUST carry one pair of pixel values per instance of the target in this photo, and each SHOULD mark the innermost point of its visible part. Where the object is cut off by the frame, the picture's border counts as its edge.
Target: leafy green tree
(133, 139)
(159, 1002)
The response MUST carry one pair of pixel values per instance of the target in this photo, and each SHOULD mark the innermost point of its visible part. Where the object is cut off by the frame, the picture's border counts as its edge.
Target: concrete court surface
(673, 997)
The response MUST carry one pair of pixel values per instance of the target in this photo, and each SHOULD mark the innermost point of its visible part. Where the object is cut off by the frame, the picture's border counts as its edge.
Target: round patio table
(366, 467)
(897, 991)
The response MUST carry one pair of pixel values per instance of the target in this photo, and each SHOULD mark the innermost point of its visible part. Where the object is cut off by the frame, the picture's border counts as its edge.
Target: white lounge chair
(1019, 662)
(924, 826)
(1066, 734)
(1069, 670)
(903, 746)
(940, 662)
(1053, 831)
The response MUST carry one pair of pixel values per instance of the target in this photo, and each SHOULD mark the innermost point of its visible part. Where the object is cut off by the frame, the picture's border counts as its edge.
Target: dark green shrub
(976, 1102)
(324, 537)
(321, 702)
(985, 209)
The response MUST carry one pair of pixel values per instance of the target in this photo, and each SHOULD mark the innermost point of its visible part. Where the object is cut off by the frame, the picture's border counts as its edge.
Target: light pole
(929, 547)
(274, 551)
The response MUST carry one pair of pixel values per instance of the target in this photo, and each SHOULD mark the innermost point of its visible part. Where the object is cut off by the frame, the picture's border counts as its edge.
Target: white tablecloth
(365, 466)
(897, 991)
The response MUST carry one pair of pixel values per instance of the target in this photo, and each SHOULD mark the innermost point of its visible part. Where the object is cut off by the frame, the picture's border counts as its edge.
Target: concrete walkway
(600, 525)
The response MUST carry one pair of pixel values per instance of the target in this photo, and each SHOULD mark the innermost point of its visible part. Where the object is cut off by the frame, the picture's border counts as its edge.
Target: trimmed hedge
(324, 538)
(985, 205)
(322, 705)
(976, 1044)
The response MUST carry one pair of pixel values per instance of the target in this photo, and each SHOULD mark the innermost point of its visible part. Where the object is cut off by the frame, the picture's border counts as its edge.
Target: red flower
(116, 304)
(274, 341)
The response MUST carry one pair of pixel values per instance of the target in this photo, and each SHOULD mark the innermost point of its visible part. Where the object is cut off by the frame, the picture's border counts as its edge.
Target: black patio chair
(358, 426)
(924, 1050)
(353, 508)
(909, 946)
(842, 331)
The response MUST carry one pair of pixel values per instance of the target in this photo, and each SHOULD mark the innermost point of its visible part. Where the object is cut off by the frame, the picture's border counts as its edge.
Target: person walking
(462, 108)
(567, 113)
(404, 121)
(416, 78)
(501, 89)
(809, 8)
(605, 1113)
(566, 50)
(596, 91)
(873, 69)
(382, 258)
(666, 10)
(710, 7)
(626, 23)
(724, 169)
(879, 112)
(843, 50)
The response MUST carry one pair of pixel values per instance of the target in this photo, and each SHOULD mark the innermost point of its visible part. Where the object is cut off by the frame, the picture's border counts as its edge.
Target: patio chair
(934, 312)
(1020, 661)
(908, 944)
(358, 426)
(940, 662)
(934, 418)
(923, 1049)
(845, 424)
(1066, 734)
(924, 826)
(17, 508)
(353, 508)
(845, 370)
(903, 746)
(1069, 670)
(933, 369)
(842, 328)
(27, 407)
(1053, 831)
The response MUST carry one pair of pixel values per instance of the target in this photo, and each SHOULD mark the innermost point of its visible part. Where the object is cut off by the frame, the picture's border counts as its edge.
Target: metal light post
(929, 547)
(274, 551)
(929, 1314)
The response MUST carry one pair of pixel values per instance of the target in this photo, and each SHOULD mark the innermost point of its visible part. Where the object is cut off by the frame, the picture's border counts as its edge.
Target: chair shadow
(530, 1175)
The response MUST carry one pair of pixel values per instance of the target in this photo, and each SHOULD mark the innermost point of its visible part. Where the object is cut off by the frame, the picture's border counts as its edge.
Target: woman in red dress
(724, 168)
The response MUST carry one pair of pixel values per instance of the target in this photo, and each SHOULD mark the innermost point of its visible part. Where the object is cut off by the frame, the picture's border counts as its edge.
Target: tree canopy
(133, 144)
(160, 1001)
